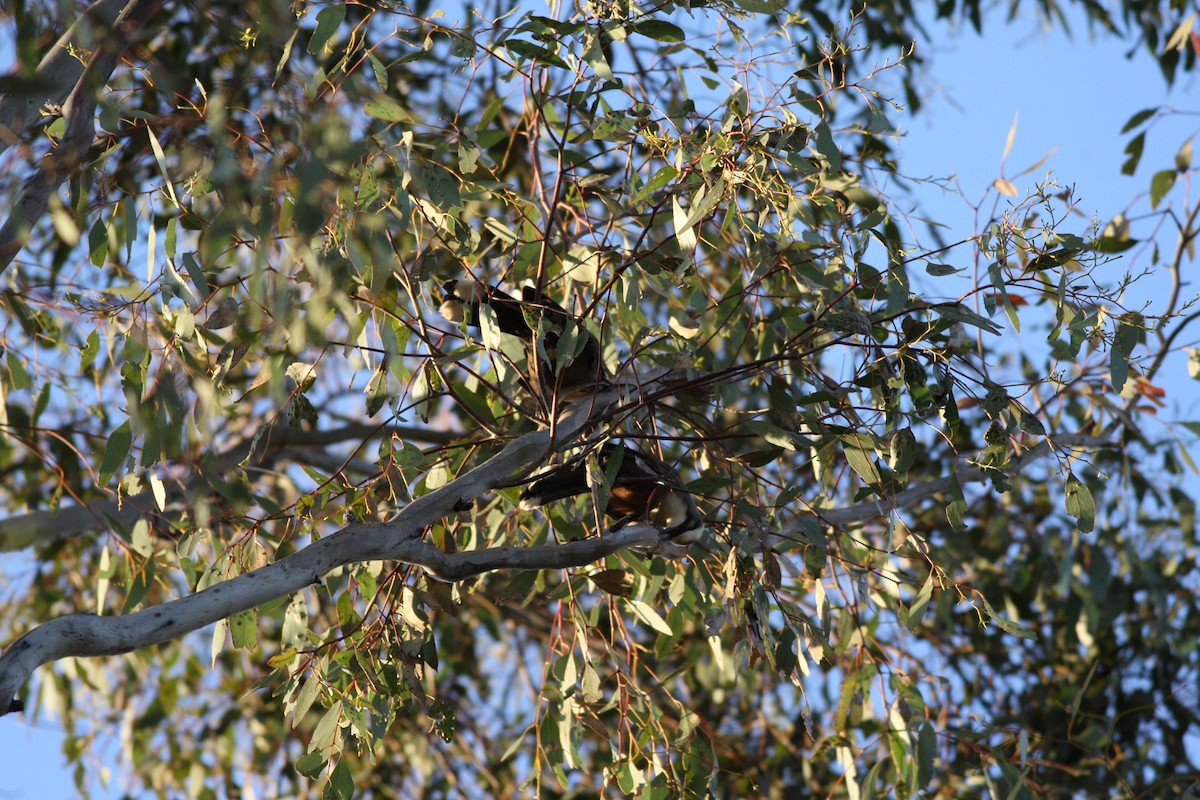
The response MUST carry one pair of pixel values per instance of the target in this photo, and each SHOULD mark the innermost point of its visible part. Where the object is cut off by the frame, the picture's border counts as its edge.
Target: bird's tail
(563, 482)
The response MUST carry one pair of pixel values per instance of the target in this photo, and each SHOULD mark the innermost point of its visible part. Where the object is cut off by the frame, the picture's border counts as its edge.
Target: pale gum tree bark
(396, 540)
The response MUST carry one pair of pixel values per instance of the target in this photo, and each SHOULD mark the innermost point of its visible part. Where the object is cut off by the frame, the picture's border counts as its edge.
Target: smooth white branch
(398, 539)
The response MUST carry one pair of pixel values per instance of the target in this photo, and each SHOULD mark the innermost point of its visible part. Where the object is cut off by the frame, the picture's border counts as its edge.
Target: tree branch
(57, 72)
(42, 527)
(400, 540)
(577, 553)
(79, 111)
(965, 473)
(396, 540)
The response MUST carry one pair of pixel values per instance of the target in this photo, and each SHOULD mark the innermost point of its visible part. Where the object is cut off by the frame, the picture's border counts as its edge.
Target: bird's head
(457, 295)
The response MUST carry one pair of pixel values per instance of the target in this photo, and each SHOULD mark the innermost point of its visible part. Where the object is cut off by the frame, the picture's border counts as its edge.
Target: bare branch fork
(396, 540)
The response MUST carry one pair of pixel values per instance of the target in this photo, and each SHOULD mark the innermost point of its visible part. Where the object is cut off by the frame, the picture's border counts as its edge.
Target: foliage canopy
(935, 563)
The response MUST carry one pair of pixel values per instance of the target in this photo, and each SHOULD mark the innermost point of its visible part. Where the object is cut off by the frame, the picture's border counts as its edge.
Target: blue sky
(1073, 95)
(1070, 98)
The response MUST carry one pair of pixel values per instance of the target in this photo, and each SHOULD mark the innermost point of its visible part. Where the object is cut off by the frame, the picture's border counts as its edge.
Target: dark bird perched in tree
(564, 358)
(461, 300)
(644, 489)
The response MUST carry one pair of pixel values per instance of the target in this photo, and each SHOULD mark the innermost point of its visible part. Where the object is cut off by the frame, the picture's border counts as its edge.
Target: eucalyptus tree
(275, 495)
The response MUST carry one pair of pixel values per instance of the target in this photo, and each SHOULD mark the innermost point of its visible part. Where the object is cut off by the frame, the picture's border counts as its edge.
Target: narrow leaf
(1012, 135)
(957, 505)
(329, 19)
(161, 158)
(827, 147)
(1080, 504)
(115, 451)
(159, 491)
(1183, 158)
(683, 229)
(387, 109)
(1139, 118)
(1005, 187)
(862, 463)
(920, 603)
(1160, 184)
(1182, 34)
(938, 270)
(1134, 150)
(660, 29)
(651, 617)
(381, 75)
(244, 627)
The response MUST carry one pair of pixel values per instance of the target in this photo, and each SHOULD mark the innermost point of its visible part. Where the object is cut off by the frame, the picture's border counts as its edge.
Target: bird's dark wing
(643, 488)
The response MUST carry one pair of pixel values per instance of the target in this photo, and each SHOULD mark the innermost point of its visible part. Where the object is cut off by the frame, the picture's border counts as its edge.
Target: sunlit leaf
(1160, 185)
(1183, 158)
(1005, 187)
(329, 19)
